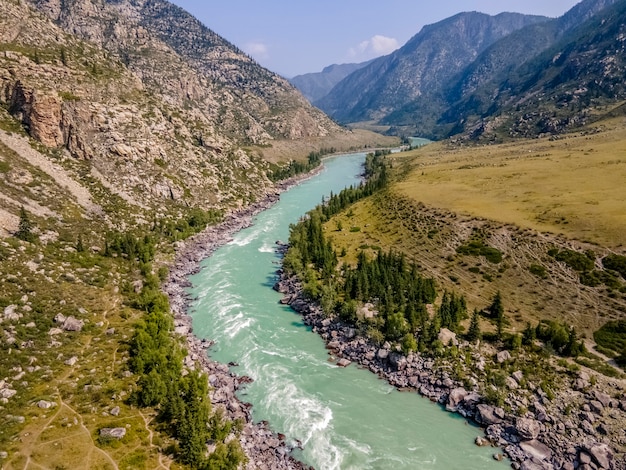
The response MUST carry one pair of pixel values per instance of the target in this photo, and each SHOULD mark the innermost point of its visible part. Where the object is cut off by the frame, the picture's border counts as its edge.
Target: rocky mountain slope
(317, 85)
(576, 80)
(473, 88)
(427, 61)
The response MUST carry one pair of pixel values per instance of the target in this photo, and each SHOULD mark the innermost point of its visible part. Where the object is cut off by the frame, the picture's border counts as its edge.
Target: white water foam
(236, 324)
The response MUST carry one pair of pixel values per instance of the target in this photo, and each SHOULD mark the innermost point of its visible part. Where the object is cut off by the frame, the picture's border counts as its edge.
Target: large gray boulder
(527, 428)
(601, 454)
(456, 396)
(536, 450)
(488, 415)
(72, 324)
(447, 337)
(113, 433)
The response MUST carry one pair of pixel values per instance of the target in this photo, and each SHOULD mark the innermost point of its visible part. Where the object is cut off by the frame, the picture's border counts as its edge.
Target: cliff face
(158, 106)
(174, 54)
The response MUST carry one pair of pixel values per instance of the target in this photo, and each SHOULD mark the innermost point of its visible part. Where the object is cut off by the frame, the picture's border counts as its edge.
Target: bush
(615, 263)
(612, 335)
(538, 270)
(575, 260)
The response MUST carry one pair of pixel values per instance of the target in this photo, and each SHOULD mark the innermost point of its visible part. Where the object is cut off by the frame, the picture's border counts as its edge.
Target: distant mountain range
(318, 84)
(474, 72)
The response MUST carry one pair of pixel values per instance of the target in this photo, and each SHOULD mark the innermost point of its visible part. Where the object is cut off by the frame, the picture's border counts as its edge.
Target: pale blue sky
(293, 37)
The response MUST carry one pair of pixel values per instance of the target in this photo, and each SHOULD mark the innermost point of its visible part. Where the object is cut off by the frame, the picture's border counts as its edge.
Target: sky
(293, 37)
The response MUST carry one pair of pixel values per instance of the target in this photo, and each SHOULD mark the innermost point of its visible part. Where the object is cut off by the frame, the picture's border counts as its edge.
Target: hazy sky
(293, 37)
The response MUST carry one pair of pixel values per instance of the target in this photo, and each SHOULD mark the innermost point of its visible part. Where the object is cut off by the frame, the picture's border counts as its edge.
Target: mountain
(161, 110)
(563, 86)
(315, 86)
(471, 92)
(421, 67)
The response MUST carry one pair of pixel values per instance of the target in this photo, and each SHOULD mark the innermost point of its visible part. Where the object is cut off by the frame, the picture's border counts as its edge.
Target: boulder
(596, 406)
(527, 428)
(45, 405)
(343, 362)
(113, 433)
(398, 361)
(503, 356)
(455, 397)
(382, 353)
(115, 411)
(536, 449)
(486, 415)
(603, 398)
(10, 313)
(447, 337)
(601, 455)
(72, 324)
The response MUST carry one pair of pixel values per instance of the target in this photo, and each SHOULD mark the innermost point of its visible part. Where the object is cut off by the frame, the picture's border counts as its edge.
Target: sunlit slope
(575, 185)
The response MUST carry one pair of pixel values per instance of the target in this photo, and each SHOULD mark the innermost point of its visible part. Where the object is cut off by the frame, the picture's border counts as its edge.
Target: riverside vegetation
(404, 276)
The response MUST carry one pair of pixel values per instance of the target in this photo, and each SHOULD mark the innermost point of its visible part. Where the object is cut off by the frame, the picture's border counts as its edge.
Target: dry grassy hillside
(522, 199)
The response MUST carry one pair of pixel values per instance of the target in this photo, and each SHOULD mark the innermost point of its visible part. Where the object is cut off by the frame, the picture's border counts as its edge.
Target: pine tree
(474, 333)
(496, 311)
(25, 228)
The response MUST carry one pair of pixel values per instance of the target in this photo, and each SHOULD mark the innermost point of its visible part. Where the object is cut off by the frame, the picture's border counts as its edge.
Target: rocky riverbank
(264, 449)
(580, 428)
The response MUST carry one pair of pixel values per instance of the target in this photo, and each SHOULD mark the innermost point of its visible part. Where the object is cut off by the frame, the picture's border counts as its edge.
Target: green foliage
(474, 333)
(596, 278)
(294, 167)
(451, 311)
(156, 356)
(577, 261)
(25, 228)
(139, 248)
(538, 270)
(478, 248)
(615, 263)
(612, 335)
(495, 311)
(560, 337)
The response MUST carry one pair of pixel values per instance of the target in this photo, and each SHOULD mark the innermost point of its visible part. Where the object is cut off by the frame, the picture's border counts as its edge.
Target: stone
(503, 356)
(527, 428)
(518, 376)
(55, 331)
(481, 442)
(382, 353)
(45, 405)
(113, 433)
(603, 398)
(3, 455)
(512, 383)
(72, 324)
(115, 411)
(455, 397)
(343, 362)
(59, 318)
(7, 393)
(601, 455)
(536, 449)
(71, 361)
(447, 337)
(596, 406)
(486, 414)
(10, 313)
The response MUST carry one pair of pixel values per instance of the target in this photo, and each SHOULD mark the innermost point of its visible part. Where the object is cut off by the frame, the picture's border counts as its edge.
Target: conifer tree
(25, 228)
(474, 334)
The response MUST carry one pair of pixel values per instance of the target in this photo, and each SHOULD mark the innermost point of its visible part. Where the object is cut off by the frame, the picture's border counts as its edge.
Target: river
(344, 418)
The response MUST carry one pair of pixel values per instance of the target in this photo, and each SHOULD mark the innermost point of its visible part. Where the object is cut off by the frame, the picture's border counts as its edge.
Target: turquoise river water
(344, 418)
